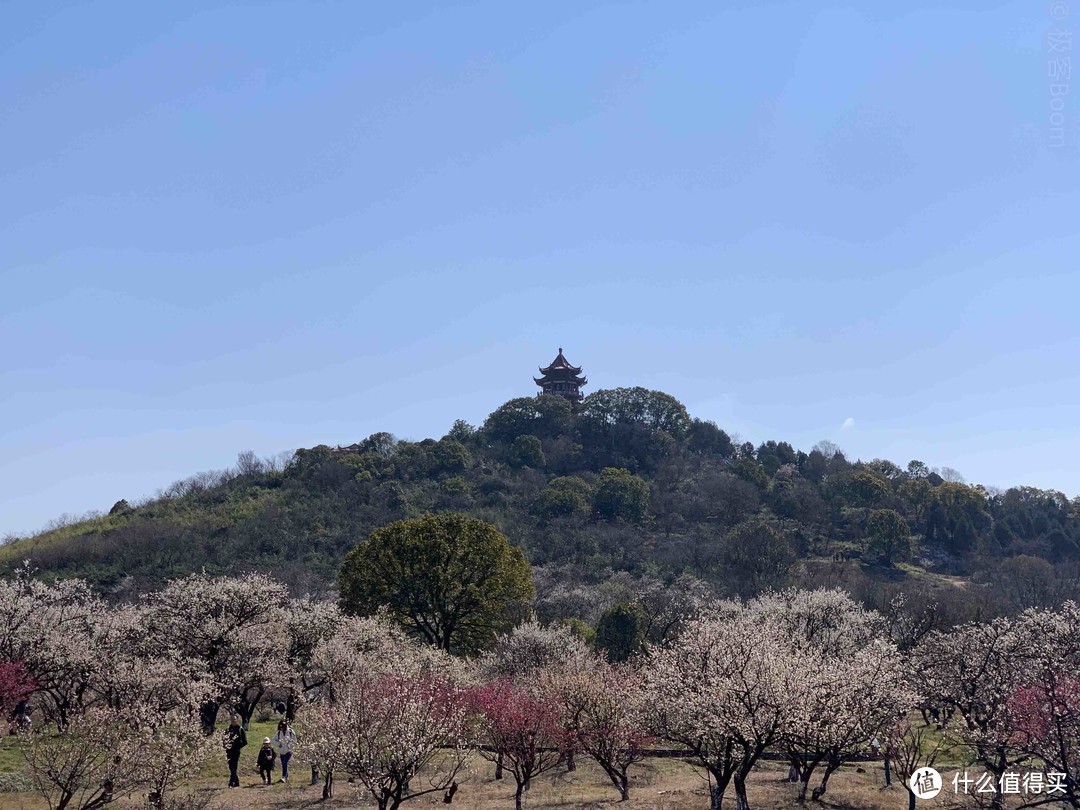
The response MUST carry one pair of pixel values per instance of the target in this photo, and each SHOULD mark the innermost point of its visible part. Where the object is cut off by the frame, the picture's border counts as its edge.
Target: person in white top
(284, 742)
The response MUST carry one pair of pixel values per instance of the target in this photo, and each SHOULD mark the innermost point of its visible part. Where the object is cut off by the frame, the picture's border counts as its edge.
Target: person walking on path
(266, 761)
(284, 743)
(235, 739)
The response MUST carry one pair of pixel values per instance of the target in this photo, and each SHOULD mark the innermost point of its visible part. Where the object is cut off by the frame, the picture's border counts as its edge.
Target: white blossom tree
(234, 626)
(309, 623)
(105, 752)
(972, 672)
(95, 758)
(55, 632)
(531, 648)
(828, 621)
(842, 704)
(724, 690)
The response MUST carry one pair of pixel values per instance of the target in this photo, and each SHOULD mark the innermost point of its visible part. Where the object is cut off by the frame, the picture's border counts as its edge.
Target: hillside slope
(624, 485)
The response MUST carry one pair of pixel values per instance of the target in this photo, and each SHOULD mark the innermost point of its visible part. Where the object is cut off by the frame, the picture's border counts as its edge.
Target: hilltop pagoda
(562, 379)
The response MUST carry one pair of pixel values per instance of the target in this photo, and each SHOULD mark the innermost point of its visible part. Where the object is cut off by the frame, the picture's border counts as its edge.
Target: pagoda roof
(560, 363)
(568, 378)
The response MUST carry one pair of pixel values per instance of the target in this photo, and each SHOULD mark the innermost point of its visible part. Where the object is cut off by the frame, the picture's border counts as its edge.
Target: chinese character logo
(925, 783)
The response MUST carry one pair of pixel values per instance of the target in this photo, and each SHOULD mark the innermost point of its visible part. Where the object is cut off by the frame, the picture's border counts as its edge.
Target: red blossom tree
(16, 685)
(1047, 726)
(522, 729)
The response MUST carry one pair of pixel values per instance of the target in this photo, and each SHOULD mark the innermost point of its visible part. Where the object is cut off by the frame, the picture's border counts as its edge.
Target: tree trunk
(716, 797)
(830, 768)
(911, 800)
(888, 772)
(997, 800)
(498, 766)
(804, 784)
(517, 796)
(246, 709)
(624, 788)
(208, 713)
(571, 764)
(741, 802)
(804, 768)
(328, 785)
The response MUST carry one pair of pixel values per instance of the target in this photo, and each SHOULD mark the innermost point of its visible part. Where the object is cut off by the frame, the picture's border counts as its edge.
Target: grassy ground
(658, 784)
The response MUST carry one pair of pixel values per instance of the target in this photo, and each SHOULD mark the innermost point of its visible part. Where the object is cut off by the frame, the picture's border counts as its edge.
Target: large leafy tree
(620, 632)
(756, 557)
(621, 496)
(544, 417)
(453, 580)
(626, 406)
(888, 535)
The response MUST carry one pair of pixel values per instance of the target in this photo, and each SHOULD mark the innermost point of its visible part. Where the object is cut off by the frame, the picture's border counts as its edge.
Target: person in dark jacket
(266, 761)
(235, 739)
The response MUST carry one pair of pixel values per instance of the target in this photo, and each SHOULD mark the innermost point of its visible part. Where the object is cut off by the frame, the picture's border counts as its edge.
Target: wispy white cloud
(849, 422)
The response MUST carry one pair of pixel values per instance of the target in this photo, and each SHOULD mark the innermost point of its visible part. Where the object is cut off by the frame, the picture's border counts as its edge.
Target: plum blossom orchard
(123, 699)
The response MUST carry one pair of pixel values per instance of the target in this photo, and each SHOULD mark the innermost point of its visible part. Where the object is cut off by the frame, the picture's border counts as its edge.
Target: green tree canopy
(526, 451)
(888, 535)
(453, 580)
(545, 417)
(621, 631)
(562, 497)
(652, 409)
(756, 558)
(621, 495)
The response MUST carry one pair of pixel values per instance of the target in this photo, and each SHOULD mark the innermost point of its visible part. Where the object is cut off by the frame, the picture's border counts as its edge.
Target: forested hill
(623, 488)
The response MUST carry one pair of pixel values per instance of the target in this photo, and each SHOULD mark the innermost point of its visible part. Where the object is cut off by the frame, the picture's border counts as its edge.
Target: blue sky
(270, 225)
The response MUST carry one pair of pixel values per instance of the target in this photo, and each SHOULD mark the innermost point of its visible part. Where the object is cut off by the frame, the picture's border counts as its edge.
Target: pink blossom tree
(1046, 709)
(386, 730)
(531, 650)
(1047, 715)
(603, 709)
(521, 727)
(350, 712)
